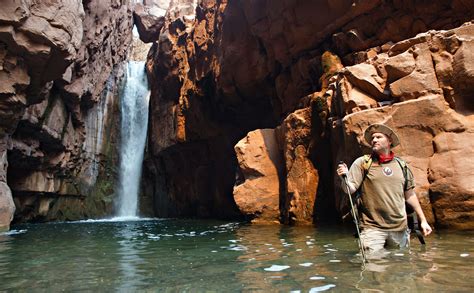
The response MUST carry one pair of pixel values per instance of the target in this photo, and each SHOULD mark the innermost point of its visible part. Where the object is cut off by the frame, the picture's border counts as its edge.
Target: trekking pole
(354, 216)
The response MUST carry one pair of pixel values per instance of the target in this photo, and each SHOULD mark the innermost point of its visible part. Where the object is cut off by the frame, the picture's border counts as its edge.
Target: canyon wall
(59, 73)
(220, 70)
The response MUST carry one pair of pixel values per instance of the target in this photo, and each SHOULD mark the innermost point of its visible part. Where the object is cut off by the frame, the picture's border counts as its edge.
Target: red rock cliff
(57, 80)
(220, 69)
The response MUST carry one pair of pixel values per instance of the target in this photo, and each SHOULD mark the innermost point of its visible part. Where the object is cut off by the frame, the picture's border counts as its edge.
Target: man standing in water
(384, 187)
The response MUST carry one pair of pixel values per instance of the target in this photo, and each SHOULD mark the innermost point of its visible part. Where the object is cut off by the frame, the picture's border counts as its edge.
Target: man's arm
(355, 175)
(412, 200)
(342, 171)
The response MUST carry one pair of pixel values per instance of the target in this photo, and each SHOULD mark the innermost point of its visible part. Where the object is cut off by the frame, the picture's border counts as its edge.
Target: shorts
(373, 239)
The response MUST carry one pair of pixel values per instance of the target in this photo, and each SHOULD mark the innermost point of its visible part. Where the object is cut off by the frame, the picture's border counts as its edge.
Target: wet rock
(7, 207)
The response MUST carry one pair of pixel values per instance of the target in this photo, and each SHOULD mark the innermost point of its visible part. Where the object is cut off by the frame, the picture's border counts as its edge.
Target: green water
(210, 256)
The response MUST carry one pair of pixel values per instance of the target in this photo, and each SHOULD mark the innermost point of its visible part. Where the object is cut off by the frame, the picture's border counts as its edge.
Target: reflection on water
(185, 255)
(129, 256)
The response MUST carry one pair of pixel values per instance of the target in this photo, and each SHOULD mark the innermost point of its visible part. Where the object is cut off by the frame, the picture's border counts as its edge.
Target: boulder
(352, 98)
(258, 196)
(7, 207)
(421, 81)
(365, 77)
(149, 21)
(399, 66)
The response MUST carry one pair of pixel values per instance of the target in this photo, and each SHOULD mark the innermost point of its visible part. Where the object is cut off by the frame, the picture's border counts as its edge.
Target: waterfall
(134, 110)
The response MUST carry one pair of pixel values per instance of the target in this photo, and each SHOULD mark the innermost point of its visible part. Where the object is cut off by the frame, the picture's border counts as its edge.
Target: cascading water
(134, 110)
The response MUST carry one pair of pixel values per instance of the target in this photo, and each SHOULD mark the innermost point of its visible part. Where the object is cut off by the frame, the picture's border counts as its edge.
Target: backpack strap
(357, 194)
(404, 167)
(366, 165)
(368, 162)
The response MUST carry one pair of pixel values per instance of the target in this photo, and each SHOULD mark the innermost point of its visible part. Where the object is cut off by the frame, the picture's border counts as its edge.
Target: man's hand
(425, 227)
(342, 169)
(412, 200)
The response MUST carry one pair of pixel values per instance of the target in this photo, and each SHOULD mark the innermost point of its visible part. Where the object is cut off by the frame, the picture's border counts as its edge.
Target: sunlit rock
(258, 193)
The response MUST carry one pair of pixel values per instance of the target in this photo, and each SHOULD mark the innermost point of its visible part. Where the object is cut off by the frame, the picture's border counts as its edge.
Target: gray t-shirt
(383, 194)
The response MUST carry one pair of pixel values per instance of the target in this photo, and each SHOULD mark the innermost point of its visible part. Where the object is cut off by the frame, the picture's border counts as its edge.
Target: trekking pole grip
(343, 175)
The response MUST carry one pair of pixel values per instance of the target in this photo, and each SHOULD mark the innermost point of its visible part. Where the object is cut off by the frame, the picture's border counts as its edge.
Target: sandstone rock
(139, 50)
(399, 66)
(352, 99)
(463, 74)
(302, 178)
(38, 182)
(149, 22)
(421, 81)
(406, 44)
(3, 159)
(13, 76)
(7, 207)
(56, 59)
(14, 12)
(444, 68)
(14, 80)
(235, 66)
(417, 123)
(259, 163)
(106, 40)
(365, 77)
(450, 176)
(55, 121)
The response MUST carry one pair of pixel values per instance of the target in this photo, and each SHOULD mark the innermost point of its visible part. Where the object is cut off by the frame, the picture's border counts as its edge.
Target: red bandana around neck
(382, 158)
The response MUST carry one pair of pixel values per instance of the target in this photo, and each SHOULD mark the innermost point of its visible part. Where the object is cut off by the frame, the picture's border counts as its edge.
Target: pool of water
(195, 256)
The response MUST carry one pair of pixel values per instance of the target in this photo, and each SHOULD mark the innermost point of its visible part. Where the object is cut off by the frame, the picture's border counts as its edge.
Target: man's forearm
(413, 201)
(344, 186)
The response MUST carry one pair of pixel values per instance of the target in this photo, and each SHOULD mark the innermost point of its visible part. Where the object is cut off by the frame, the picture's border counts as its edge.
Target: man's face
(380, 143)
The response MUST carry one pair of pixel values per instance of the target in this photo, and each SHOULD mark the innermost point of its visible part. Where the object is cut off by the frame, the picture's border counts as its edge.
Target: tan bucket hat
(381, 129)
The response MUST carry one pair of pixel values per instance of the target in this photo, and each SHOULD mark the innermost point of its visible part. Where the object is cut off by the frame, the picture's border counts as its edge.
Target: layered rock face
(221, 69)
(427, 82)
(57, 100)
